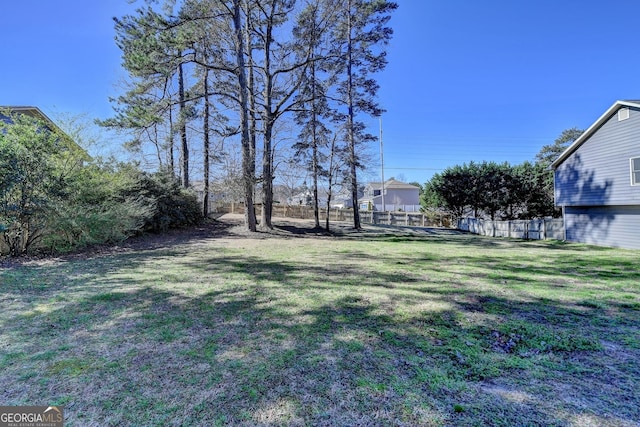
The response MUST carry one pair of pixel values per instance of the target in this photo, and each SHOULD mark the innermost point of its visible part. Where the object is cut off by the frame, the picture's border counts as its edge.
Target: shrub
(164, 202)
(54, 197)
(75, 228)
(111, 203)
(33, 162)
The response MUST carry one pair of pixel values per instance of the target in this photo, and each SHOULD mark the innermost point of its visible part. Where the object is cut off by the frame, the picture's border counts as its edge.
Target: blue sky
(466, 80)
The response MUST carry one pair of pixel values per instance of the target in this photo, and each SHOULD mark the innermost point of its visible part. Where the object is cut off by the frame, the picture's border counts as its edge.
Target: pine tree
(153, 48)
(359, 40)
(312, 31)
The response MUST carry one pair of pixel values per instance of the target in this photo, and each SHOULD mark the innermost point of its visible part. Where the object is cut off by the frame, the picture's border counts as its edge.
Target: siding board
(617, 226)
(593, 184)
(597, 173)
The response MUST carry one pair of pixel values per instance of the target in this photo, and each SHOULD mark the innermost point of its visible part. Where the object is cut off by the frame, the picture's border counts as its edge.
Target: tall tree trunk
(314, 139)
(316, 209)
(351, 125)
(267, 174)
(248, 173)
(331, 171)
(205, 196)
(157, 144)
(183, 129)
(172, 164)
(267, 167)
(251, 90)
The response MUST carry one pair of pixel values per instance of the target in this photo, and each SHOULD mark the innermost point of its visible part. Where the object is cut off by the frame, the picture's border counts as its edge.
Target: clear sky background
(466, 80)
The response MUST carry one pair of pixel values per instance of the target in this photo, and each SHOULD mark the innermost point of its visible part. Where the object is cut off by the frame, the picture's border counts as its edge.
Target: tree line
(499, 190)
(55, 198)
(202, 72)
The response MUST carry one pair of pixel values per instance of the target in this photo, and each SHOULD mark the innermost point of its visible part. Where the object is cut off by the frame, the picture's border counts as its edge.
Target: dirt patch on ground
(231, 227)
(148, 241)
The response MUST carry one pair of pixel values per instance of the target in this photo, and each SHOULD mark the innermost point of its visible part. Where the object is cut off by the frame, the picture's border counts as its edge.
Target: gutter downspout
(564, 225)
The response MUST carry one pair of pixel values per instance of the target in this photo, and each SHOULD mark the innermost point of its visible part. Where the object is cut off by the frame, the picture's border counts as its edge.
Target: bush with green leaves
(54, 198)
(492, 190)
(499, 190)
(167, 204)
(90, 213)
(73, 229)
(34, 162)
(113, 202)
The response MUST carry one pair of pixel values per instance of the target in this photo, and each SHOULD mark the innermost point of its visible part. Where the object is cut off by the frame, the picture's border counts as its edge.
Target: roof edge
(592, 129)
(42, 116)
(24, 108)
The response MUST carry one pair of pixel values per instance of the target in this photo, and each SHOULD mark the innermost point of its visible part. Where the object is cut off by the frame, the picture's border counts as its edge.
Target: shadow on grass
(304, 231)
(234, 356)
(243, 353)
(240, 355)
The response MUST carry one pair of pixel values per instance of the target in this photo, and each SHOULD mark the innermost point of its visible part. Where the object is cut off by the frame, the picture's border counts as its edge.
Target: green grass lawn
(371, 329)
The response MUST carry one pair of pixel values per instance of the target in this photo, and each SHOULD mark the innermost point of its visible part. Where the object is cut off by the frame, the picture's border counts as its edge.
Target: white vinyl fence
(534, 229)
(414, 219)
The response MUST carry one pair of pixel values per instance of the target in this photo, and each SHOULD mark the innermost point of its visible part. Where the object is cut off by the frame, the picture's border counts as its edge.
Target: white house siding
(398, 199)
(402, 196)
(616, 226)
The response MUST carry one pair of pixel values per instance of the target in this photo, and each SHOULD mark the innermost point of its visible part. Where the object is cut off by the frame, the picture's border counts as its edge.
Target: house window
(635, 171)
(376, 193)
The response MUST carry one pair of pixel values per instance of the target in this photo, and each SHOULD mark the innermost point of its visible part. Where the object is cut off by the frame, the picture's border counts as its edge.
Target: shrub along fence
(415, 219)
(534, 229)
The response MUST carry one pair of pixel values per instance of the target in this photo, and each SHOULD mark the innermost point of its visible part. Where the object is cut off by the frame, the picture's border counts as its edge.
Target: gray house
(398, 196)
(597, 180)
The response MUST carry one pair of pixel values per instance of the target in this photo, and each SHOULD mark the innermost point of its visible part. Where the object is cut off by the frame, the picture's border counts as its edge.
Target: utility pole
(384, 207)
